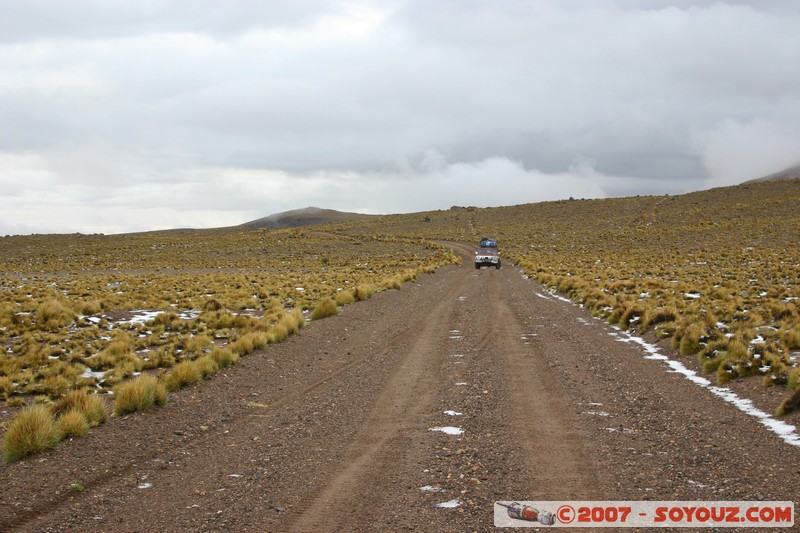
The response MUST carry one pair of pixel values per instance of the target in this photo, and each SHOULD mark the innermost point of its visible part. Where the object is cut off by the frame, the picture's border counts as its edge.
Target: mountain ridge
(306, 216)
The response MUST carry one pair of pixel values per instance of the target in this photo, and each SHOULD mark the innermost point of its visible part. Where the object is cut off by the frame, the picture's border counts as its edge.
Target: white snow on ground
(785, 431)
(429, 488)
(448, 430)
(451, 504)
(142, 315)
(453, 413)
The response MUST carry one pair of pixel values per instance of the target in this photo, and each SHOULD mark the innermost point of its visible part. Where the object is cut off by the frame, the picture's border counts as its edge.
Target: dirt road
(415, 410)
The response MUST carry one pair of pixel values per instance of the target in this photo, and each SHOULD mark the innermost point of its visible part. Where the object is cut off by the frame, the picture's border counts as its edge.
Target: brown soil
(330, 430)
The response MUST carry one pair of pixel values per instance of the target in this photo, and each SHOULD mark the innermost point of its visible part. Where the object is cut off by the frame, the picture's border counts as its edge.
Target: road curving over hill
(467, 387)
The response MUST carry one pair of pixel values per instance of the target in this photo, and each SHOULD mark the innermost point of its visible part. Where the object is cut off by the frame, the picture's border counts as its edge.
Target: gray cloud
(124, 116)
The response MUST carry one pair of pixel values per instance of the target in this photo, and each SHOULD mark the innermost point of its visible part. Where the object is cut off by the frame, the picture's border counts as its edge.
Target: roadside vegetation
(134, 317)
(716, 272)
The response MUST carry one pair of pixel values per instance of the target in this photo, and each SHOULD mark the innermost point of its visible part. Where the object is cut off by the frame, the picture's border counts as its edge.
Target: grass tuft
(790, 404)
(324, 308)
(224, 357)
(364, 291)
(73, 423)
(183, 374)
(139, 394)
(345, 298)
(53, 314)
(249, 342)
(91, 406)
(207, 366)
(31, 431)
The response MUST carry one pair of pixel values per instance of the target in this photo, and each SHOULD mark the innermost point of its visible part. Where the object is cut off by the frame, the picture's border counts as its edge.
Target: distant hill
(303, 217)
(787, 174)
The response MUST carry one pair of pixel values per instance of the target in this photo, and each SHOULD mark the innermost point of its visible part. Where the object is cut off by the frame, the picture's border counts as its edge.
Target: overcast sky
(121, 116)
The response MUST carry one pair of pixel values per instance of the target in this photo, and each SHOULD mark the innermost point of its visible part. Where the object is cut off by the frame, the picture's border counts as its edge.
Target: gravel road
(413, 411)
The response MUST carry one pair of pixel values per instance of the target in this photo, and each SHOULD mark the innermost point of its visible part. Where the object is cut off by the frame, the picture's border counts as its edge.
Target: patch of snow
(429, 488)
(447, 430)
(692, 295)
(144, 485)
(90, 375)
(785, 431)
(596, 413)
(451, 504)
(453, 413)
(561, 298)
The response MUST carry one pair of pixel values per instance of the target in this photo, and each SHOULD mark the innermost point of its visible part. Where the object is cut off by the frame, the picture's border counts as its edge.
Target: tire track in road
(519, 439)
(364, 480)
(554, 449)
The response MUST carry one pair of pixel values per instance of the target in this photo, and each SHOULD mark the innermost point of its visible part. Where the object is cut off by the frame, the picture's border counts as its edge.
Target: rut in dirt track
(332, 429)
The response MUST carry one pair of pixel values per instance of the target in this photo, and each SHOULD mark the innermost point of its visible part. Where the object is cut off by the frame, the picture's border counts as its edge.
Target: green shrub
(31, 431)
(139, 394)
(325, 308)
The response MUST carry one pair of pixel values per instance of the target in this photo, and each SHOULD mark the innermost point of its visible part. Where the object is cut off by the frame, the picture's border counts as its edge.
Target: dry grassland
(89, 312)
(717, 272)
